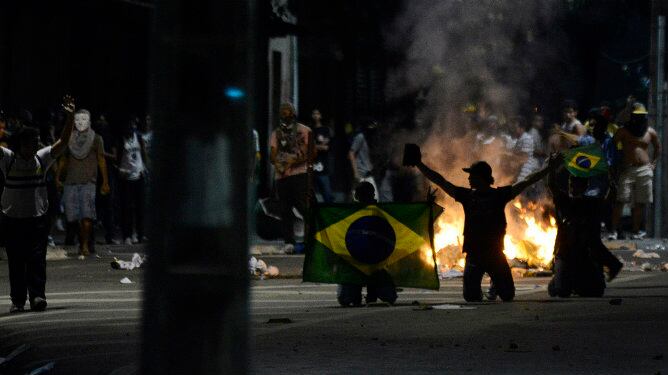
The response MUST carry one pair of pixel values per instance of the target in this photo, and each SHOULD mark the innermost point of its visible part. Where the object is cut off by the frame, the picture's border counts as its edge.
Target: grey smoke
(462, 51)
(456, 52)
(459, 52)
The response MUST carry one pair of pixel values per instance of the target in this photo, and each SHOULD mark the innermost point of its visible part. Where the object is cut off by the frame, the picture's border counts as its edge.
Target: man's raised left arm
(59, 146)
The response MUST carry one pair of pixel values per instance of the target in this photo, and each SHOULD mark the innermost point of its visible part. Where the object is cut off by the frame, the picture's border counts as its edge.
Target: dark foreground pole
(202, 102)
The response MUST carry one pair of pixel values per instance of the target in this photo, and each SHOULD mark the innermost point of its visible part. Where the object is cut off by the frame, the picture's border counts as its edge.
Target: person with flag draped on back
(484, 222)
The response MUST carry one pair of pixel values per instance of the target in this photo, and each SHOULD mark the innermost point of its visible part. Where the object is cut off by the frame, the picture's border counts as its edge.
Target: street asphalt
(93, 325)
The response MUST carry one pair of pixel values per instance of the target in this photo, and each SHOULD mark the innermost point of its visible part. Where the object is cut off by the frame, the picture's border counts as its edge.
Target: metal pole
(203, 92)
(659, 123)
(294, 59)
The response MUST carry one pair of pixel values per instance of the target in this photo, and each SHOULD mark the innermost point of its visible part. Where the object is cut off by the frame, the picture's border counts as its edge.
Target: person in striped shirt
(24, 211)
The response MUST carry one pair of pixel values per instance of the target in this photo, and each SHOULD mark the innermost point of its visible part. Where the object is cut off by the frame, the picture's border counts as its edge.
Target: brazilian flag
(586, 161)
(353, 243)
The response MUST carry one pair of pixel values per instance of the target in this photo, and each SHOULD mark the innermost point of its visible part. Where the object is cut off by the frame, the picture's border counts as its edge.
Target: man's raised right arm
(413, 157)
(437, 179)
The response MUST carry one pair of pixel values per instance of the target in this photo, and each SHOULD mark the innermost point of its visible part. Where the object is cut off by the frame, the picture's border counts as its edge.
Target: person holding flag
(577, 249)
(484, 223)
(377, 245)
(379, 284)
(579, 192)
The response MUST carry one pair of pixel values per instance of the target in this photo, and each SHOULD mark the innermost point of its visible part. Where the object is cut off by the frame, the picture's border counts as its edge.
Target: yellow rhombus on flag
(406, 241)
(585, 161)
(591, 161)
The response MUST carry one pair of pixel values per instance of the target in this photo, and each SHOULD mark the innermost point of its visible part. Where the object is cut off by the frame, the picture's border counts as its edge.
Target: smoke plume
(458, 53)
(464, 61)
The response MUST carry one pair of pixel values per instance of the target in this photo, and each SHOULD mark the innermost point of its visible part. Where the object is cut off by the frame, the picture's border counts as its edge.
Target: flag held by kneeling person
(353, 243)
(585, 161)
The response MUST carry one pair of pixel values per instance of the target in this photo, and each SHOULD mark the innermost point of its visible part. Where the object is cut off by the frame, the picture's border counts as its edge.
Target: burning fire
(529, 237)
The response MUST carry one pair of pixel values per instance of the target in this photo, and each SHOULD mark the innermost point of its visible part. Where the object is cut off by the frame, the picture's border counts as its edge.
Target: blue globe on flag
(583, 161)
(370, 239)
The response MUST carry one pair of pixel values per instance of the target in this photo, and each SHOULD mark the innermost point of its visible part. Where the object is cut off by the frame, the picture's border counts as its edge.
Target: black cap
(479, 168)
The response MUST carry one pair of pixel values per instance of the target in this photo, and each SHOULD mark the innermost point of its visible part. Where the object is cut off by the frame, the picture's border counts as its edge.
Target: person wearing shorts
(83, 157)
(635, 185)
(635, 179)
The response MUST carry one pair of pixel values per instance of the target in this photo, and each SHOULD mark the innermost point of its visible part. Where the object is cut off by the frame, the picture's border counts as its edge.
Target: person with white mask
(79, 166)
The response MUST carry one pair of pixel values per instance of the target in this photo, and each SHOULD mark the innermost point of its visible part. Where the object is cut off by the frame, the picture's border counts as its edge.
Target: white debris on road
(56, 253)
(272, 271)
(450, 274)
(125, 280)
(644, 255)
(136, 262)
(656, 247)
(258, 267)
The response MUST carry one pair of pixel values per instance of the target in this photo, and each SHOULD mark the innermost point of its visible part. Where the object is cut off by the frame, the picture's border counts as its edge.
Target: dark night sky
(95, 50)
(98, 51)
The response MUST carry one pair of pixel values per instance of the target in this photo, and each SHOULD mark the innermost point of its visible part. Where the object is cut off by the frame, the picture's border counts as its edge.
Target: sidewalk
(653, 254)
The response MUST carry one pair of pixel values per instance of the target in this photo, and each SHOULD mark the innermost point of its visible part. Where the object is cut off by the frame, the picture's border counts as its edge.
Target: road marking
(444, 285)
(28, 315)
(119, 291)
(71, 301)
(630, 278)
(58, 321)
(56, 301)
(333, 292)
(293, 286)
(93, 342)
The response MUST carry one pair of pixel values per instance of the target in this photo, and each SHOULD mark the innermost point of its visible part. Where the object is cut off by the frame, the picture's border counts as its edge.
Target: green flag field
(585, 161)
(353, 243)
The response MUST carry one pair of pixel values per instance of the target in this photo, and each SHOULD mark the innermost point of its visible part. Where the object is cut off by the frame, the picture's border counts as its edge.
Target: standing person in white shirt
(525, 148)
(360, 158)
(132, 173)
(537, 132)
(24, 209)
(571, 124)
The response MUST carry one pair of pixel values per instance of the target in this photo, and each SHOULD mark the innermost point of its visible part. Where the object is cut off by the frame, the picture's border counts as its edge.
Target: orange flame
(527, 238)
